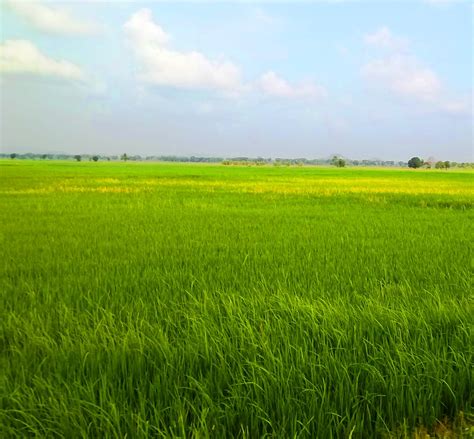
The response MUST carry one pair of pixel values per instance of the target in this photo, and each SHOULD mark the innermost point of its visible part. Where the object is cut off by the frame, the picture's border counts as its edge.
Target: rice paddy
(176, 300)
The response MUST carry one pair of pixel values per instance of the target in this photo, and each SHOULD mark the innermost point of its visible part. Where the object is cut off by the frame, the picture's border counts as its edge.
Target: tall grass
(204, 301)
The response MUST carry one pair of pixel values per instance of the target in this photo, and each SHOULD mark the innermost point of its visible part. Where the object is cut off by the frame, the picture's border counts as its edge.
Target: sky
(361, 79)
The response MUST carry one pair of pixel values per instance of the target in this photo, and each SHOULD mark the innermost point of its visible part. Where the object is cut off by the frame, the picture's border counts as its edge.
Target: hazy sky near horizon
(276, 79)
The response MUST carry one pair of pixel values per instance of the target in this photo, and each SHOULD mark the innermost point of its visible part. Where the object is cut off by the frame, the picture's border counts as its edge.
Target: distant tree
(415, 162)
(443, 165)
(95, 158)
(430, 162)
(13, 155)
(44, 156)
(77, 157)
(338, 162)
(124, 157)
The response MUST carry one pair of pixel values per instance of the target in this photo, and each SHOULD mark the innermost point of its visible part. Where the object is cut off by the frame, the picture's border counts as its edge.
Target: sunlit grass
(147, 300)
(277, 185)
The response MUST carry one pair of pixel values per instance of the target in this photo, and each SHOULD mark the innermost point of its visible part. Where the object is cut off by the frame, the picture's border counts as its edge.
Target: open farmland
(162, 300)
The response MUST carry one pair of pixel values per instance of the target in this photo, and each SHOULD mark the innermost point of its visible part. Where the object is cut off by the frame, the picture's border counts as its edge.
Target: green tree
(13, 155)
(338, 162)
(415, 162)
(447, 164)
(95, 158)
(124, 157)
(439, 165)
(78, 157)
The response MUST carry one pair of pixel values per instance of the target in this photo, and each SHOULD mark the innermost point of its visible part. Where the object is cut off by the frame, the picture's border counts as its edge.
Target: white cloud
(162, 65)
(51, 19)
(165, 66)
(383, 38)
(407, 77)
(22, 56)
(404, 75)
(273, 85)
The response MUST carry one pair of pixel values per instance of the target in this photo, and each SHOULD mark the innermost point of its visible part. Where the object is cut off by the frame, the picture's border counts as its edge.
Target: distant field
(163, 300)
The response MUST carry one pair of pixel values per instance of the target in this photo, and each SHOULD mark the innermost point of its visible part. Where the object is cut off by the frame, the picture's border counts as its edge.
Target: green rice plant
(177, 300)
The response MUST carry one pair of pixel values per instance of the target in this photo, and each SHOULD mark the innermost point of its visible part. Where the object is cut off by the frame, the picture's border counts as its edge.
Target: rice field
(160, 300)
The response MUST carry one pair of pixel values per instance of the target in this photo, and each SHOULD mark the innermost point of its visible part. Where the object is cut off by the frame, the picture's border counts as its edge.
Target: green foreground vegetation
(183, 300)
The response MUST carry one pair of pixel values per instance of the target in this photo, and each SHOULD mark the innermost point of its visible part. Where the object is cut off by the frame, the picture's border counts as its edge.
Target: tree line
(416, 162)
(337, 161)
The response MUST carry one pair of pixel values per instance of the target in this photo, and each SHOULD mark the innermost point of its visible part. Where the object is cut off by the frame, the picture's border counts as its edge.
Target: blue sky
(302, 79)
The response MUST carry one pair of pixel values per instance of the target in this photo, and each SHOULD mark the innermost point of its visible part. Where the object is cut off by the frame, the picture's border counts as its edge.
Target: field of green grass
(160, 300)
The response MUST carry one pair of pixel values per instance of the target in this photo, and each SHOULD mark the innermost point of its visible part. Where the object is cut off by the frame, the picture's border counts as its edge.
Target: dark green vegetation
(415, 162)
(146, 300)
